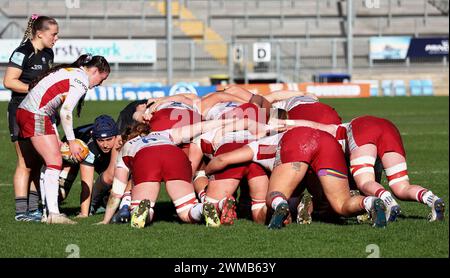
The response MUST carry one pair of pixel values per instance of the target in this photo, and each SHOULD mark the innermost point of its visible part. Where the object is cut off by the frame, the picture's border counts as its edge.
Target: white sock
(196, 212)
(42, 187)
(126, 199)
(221, 202)
(388, 199)
(276, 201)
(368, 202)
(202, 195)
(428, 198)
(51, 187)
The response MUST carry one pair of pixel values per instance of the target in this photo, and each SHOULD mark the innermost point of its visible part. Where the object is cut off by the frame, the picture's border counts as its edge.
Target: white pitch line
(430, 172)
(424, 133)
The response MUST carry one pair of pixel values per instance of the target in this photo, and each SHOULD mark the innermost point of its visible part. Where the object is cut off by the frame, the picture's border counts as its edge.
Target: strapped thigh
(397, 173)
(362, 164)
(185, 203)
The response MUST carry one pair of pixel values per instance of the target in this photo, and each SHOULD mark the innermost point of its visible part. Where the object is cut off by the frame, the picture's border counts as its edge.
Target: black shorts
(12, 122)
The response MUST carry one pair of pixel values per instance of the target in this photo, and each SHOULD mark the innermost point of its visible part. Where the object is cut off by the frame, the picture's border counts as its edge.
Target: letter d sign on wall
(261, 52)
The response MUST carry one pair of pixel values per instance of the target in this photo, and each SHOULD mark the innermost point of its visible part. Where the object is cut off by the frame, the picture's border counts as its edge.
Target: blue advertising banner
(428, 47)
(106, 93)
(389, 48)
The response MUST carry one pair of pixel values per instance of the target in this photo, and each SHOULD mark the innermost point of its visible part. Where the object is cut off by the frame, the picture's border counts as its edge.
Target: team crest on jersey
(43, 60)
(17, 58)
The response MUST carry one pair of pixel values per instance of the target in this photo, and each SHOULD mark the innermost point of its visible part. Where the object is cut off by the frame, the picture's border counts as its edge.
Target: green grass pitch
(423, 122)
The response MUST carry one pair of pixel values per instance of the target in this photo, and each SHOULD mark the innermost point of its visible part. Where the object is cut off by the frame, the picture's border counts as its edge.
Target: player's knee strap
(185, 203)
(211, 200)
(258, 204)
(397, 173)
(363, 164)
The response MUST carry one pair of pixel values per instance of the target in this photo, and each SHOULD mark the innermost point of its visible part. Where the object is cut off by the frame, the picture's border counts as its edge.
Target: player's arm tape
(118, 187)
(200, 174)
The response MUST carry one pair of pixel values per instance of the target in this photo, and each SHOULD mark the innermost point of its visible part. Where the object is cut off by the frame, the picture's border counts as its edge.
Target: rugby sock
(33, 201)
(195, 213)
(276, 201)
(428, 197)
(221, 202)
(202, 195)
(367, 203)
(21, 205)
(134, 204)
(386, 196)
(42, 190)
(51, 177)
(126, 199)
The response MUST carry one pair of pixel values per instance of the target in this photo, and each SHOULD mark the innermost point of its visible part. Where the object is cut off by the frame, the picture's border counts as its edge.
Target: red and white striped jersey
(217, 110)
(265, 150)
(138, 143)
(49, 94)
(292, 102)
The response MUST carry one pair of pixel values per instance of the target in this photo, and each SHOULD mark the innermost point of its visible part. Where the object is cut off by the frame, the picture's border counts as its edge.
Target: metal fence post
(333, 54)
(278, 61)
(246, 63)
(425, 12)
(105, 10)
(270, 29)
(230, 63)
(379, 27)
(192, 55)
(245, 13)
(208, 13)
(91, 29)
(317, 13)
(297, 60)
(389, 13)
(129, 28)
(307, 32)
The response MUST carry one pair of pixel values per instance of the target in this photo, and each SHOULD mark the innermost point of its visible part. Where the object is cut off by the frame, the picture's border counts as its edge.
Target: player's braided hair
(37, 23)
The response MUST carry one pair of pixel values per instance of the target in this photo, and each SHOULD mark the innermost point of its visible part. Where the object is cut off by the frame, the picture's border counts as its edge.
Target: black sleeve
(19, 58)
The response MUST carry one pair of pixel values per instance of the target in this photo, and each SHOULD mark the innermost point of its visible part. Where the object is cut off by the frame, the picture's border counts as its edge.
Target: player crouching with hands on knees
(60, 88)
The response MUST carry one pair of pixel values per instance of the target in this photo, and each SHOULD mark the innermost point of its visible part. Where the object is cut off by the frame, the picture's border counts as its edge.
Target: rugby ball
(67, 155)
